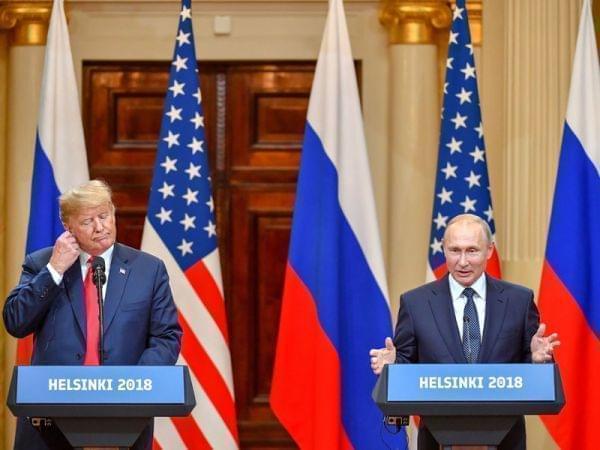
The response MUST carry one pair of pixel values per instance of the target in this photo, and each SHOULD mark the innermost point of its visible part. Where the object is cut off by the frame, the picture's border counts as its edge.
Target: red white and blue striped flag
(570, 285)
(180, 229)
(60, 160)
(335, 306)
(462, 184)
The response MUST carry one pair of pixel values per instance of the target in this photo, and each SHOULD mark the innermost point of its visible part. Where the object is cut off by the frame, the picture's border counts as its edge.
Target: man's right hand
(382, 356)
(64, 253)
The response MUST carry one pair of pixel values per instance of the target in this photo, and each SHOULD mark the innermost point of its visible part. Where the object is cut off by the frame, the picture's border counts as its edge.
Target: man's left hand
(542, 347)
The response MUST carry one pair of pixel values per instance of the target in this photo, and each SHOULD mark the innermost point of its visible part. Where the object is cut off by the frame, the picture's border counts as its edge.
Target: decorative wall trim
(27, 22)
(414, 22)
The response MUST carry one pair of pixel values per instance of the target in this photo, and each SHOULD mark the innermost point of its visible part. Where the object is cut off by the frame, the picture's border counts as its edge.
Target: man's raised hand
(64, 253)
(382, 356)
(542, 347)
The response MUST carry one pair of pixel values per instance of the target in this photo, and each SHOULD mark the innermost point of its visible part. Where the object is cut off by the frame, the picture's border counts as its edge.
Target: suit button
(78, 356)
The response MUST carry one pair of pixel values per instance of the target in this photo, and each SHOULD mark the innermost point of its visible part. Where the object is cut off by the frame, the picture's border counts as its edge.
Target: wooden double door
(255, 115)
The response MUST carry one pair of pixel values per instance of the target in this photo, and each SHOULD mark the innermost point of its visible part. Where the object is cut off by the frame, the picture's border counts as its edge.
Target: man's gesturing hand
(64, 253)
(382, 356)
(542, 347)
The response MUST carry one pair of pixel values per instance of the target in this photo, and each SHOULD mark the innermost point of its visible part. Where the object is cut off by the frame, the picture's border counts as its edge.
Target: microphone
(466, 323)
(99, 271)
(99, 278)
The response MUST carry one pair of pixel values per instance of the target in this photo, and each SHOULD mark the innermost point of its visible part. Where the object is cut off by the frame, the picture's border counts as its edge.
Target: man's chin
(100, 246)
(465, 280)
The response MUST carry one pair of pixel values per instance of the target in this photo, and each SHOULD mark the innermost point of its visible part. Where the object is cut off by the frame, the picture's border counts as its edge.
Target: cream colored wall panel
(540, 37)
(24, 78)
(369, 44)
(491, 67)
(3, 211)
(538, 437)
(25, 74)
(414, 130)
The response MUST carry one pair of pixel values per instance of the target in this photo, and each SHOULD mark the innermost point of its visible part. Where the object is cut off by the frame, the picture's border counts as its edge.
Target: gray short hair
(472, 218)
(90, 194)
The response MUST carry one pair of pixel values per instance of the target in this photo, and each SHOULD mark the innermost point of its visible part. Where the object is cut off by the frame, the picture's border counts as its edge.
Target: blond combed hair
(90, 194)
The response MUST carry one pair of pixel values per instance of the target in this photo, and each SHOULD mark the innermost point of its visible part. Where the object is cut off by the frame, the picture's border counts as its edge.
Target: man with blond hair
(467, 317)
(57, 302)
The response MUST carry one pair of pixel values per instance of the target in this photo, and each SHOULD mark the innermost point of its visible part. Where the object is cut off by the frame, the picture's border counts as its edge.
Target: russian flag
(570, 287)
(335, 306)
(60, 160)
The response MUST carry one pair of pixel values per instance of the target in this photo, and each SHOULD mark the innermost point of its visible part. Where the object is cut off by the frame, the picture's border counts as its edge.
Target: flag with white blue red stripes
(60, 160)
(180, 228)
(462, 184)
(335, 304)
(570, 287)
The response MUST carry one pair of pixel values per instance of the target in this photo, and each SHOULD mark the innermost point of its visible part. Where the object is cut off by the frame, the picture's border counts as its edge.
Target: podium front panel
(469, 389)
(100, 385)
(471, 382)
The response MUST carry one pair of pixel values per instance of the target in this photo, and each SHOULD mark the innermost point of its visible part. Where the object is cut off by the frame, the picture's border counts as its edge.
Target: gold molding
(418, 21)
(414, 21)
(26, 21)
(475, 10)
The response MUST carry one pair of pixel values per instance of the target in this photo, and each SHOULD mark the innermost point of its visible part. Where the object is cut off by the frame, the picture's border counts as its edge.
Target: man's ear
(491, 250)
(67, 227)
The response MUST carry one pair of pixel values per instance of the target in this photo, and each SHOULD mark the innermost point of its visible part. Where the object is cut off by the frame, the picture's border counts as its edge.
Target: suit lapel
(74, 286)
(495, 309)
(443, 313)
(117, 279)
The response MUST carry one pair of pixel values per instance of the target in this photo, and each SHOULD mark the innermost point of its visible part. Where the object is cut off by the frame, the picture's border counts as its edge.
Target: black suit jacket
(426, 330)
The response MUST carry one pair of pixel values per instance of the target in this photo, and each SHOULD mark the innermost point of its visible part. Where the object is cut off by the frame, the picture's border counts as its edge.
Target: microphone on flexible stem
(466, 327)
(99, 278)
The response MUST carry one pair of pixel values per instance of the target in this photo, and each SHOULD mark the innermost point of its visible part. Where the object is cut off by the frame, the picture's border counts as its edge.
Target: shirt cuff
(57, 277)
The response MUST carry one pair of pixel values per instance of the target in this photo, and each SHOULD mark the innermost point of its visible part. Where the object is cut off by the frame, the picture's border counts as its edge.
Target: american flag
(462, 184)
(180, 229)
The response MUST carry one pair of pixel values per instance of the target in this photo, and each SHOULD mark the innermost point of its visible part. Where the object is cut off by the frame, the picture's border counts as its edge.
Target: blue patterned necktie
(471, 335)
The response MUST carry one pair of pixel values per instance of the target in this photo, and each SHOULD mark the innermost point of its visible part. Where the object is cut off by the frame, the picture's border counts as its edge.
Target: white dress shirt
(459, 301)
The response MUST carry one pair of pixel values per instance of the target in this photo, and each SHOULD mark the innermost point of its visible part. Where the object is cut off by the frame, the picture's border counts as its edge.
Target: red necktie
(91, 315)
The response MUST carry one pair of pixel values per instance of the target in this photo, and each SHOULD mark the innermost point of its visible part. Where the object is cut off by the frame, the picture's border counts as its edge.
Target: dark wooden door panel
(254, 116)
(270, 114)
(259, 242)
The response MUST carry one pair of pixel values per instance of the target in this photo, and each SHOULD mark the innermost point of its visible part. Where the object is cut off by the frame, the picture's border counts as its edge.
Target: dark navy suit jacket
(426, 330)
(140, 317)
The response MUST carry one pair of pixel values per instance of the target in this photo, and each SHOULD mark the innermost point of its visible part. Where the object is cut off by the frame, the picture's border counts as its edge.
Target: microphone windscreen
(98, 263)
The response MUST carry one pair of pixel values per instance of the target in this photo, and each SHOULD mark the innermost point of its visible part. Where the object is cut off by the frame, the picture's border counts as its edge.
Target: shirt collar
(456, 289)
(107, 256)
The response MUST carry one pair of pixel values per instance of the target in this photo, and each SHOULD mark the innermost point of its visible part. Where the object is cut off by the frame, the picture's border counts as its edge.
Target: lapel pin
(122, 271)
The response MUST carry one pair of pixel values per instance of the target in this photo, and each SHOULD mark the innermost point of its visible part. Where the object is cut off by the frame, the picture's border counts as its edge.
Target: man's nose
(462, 260)
(98, 225)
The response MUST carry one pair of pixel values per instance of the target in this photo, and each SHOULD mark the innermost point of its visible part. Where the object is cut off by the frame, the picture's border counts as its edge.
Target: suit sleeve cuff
(57, 277)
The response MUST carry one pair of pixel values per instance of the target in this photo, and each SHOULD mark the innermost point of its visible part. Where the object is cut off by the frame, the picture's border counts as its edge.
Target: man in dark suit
(55, 301)
(467, 317)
